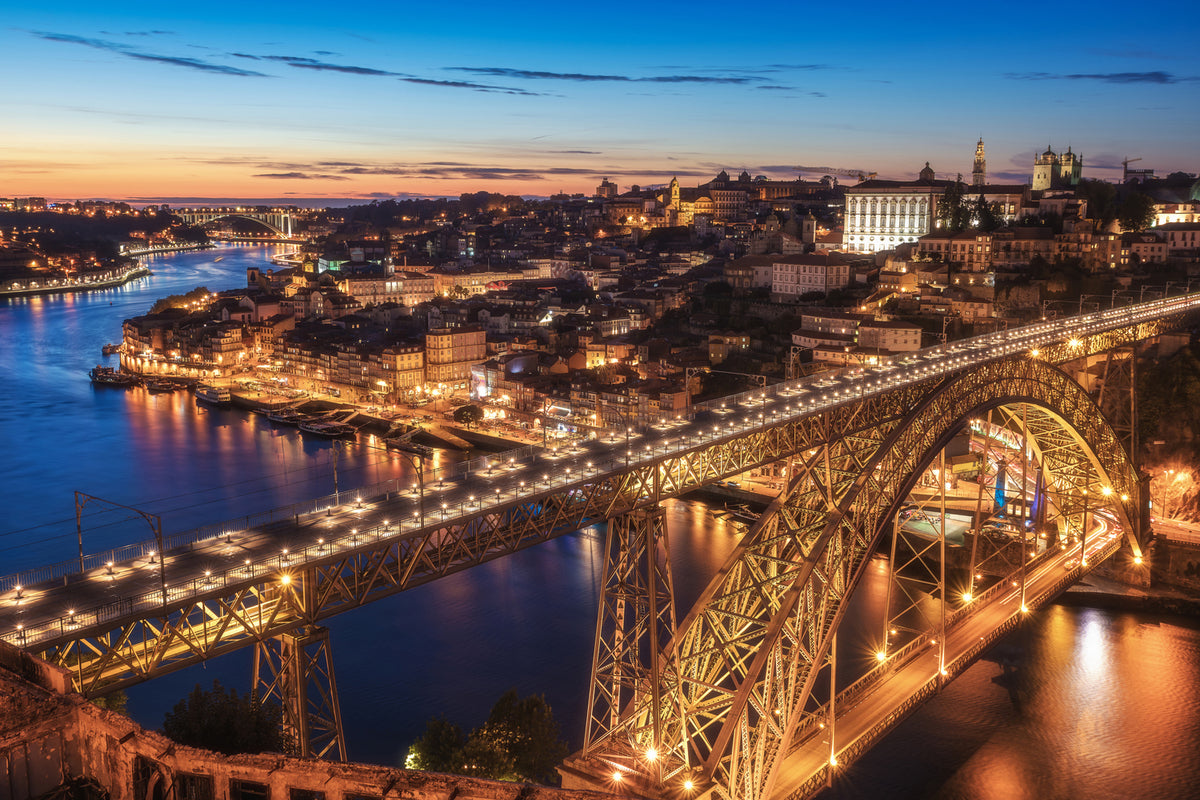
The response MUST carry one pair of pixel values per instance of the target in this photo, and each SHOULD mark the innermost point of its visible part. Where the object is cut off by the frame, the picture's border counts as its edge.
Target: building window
(248, 790)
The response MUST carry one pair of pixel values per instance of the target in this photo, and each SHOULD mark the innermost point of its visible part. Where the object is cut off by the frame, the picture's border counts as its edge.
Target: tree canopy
(1136, 212)
(1101, 197)
(953, 210)
(469, 415)
(226, 722)
(179, 300)
(520, 741)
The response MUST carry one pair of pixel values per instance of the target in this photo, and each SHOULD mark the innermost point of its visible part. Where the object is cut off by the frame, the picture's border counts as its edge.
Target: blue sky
(294, 100)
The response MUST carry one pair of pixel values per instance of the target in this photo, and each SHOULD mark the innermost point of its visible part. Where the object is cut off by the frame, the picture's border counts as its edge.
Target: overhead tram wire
(373, 461)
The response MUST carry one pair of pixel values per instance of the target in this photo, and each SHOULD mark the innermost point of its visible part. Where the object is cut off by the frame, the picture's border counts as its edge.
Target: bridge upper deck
(453, 524)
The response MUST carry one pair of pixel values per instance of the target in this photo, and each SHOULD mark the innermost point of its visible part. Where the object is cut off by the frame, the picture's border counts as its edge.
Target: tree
(953, 210)
(525, 730)
(1101, 199)
(224, 721)
(440, 749)
(987, 217)
(113, 701)
(1174, 490)
(196, 295)
(469, 415)
(1136, 212)
(519, 742)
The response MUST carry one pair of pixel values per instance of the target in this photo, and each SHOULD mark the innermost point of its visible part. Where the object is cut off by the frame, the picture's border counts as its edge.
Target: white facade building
(880, 215)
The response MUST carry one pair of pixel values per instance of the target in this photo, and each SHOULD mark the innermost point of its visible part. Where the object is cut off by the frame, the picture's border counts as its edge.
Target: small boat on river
(161, 385)
(213, 395)
(327, 428)
(408, 446)
(287, 416)
(107, 376)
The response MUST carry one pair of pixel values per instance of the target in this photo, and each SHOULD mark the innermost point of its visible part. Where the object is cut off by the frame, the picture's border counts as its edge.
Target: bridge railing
(252, 570)
(745, 401)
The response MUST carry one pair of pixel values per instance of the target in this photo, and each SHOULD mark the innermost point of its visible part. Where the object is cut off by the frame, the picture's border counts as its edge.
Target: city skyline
(285, 102)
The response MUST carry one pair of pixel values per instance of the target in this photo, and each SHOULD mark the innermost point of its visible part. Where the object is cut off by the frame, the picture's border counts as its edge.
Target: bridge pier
(634, 623)
(296, 669)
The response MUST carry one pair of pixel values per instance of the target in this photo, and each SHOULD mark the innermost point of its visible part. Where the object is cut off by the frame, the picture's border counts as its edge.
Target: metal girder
(1117, 397)
(636, 619)
(296, 670)
(750, 650)
(135, 638)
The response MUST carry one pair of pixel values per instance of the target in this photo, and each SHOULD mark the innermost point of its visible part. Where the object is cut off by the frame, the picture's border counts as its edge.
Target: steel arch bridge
(279, 221)
(721, 710)
(704, 704)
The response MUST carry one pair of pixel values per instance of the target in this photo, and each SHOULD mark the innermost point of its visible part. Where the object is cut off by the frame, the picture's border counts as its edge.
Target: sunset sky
(268, 100)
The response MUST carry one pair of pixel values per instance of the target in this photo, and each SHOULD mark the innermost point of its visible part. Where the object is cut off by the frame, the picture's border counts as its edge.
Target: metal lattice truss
(752, 647)
(134, 639)
(295, 670)
(635, 621)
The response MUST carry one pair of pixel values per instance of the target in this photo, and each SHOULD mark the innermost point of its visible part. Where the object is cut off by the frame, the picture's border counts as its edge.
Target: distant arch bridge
(279, 220)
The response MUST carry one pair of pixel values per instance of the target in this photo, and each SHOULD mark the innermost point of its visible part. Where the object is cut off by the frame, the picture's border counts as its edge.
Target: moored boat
(409, 447)
(107, 376)
(287, 416)
(161, 385)
(213, 395)
(328, 429)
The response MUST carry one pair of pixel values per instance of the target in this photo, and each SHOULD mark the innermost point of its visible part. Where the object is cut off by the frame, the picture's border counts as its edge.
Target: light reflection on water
(1107, 701)
(1102, 705)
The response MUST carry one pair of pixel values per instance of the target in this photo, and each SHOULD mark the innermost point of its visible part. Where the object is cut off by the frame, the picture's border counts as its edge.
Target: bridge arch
(249, 217)
(749, 652)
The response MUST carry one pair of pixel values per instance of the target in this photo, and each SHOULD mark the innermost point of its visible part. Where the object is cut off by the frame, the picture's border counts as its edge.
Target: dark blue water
(1107, 707)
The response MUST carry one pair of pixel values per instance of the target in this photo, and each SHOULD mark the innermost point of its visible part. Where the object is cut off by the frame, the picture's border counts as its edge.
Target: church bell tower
(979, 173)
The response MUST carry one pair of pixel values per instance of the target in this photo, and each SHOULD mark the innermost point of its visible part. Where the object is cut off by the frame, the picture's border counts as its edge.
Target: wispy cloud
(304, 62)
(478, 87)
(1155, 76)
(300, 176)
(436, 170)
(301, 62)
(792, 89)
(119, 49)
(585, 77)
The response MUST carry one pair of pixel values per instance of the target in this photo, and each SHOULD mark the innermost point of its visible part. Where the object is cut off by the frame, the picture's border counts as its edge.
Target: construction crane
(862, 175)
(1125, 164)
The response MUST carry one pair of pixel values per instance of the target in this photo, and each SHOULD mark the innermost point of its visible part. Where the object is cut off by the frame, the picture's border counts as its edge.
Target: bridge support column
(1118, 400)
(635, 621)
(296, 670)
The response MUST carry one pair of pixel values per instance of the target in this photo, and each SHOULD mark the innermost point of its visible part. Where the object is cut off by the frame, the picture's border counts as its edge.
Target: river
(1104, 704)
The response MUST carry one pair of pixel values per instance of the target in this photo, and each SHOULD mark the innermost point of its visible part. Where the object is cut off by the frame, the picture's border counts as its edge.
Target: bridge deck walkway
(42, 612)
(905, 684)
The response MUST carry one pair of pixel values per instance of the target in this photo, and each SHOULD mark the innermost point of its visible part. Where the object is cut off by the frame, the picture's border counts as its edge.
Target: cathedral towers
(1052, 171)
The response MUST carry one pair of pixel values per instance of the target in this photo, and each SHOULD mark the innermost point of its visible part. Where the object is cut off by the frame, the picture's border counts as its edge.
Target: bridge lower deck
(914, 673)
